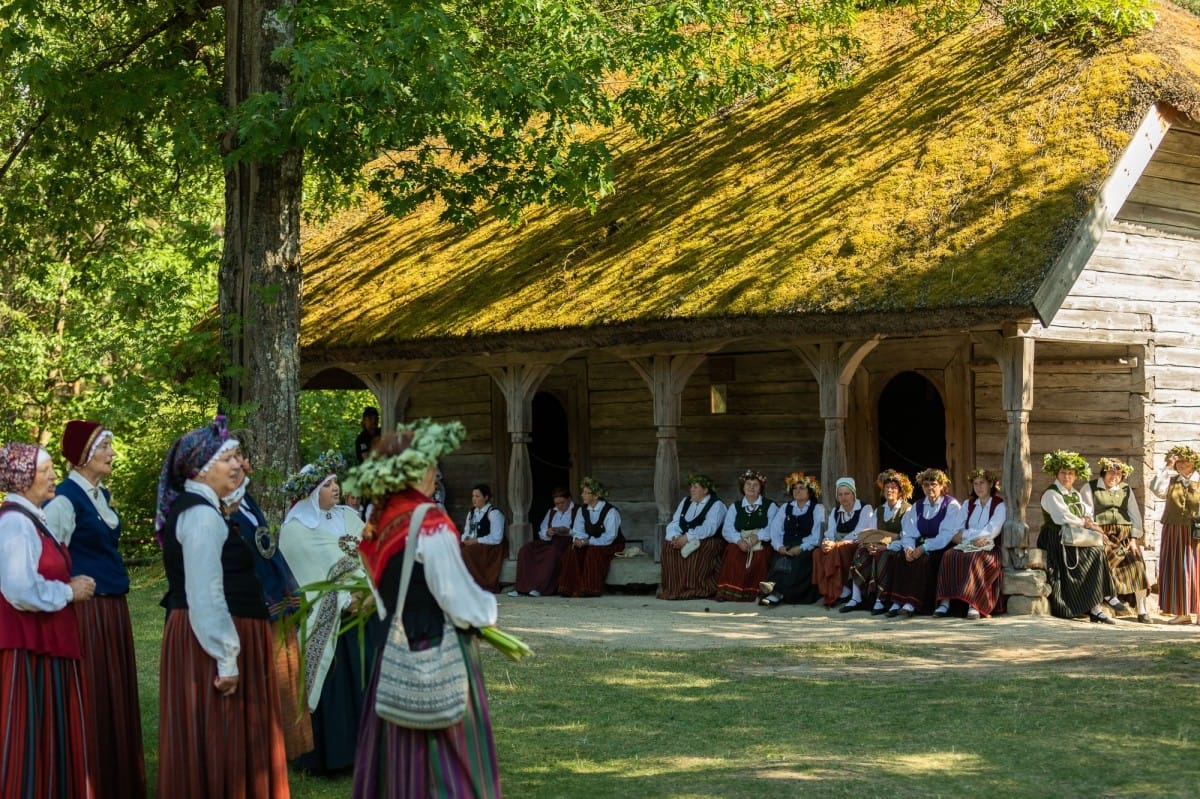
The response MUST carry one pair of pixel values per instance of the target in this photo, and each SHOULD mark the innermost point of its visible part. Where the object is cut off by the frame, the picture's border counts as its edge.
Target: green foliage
(331, 420)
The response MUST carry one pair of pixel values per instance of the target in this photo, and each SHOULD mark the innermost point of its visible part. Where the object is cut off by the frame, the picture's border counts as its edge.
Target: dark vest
(55, 633)
(243, 591)
(94, 544)
(684, 524)
(894, 526)
(847, 527)
(993, 502)
(596, 529)
(744, 520)
(280, 590)
(797, 526)
(1074, 504)
(483, 527)
(928, 528)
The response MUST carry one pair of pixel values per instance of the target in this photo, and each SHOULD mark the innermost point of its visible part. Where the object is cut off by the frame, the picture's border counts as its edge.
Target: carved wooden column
(1015, 356)
(666, 375)
(392, 390)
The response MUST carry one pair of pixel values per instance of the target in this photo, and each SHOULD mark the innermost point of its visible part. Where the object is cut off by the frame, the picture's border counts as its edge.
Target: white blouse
(495, 518)
(612, 524)
(810, 541)
(690, 510)
(946, 530)
(729, 531)
(866, 521)
(20, 551)
(201, 531)
(555, 518)
(1055, 504)
(979, 523)
(60, 513)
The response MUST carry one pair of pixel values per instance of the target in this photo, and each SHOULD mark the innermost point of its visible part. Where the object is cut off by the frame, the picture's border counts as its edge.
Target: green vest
(750, 521)
(1111, 504)
(893, 526)
(1074, 504)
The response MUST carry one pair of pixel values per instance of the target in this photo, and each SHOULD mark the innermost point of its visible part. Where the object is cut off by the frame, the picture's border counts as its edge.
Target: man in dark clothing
(370, 432)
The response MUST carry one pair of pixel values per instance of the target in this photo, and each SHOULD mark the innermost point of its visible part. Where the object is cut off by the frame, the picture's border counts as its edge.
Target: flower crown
(595, 486)
(382, 474)
(1114, 465)
(933, 476)
(1185, 453)
(899, 478)
(302, 483)
(702, 480)
(751, 474)
(800, 478)
(990, 476)
(1053, 462)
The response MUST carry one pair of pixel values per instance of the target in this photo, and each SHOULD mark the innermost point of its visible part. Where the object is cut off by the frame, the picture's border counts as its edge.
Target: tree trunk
(260, 269)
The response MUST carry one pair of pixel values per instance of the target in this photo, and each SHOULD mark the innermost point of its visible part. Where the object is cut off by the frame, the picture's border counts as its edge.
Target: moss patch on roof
(949, 173)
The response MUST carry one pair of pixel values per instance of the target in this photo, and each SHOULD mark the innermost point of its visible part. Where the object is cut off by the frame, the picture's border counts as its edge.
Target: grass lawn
(585, 721)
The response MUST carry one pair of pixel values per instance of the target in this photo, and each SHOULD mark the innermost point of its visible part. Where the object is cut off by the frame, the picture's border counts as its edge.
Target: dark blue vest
(798, 526)
(93, 545)
(280, 590)
(928, 528)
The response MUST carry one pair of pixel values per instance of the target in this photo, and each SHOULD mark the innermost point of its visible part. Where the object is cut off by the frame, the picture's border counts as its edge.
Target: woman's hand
(466, 542)
(579, 543)
(1171, 460)
(982, 541)
(744, 545)
(679, 541)
(82, 588)
(826, 545)
(226, 685)
(912, 553)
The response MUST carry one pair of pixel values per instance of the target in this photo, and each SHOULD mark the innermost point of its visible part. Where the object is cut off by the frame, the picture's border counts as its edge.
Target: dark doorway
(912, 425)
(549, 453)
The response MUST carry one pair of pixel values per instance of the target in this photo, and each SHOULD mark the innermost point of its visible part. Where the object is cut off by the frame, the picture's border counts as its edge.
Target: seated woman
(693, 548)
(868, 570)
(748, 545)
(926, 531)
(483, 547)
(971, 568)
(831, 561)
(538, 561)
(596, 538)
(1076, 571)
(1116, 511)
(794, 534)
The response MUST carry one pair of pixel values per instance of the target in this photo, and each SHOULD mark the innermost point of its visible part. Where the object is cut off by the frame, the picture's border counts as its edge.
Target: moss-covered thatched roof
(935, 190)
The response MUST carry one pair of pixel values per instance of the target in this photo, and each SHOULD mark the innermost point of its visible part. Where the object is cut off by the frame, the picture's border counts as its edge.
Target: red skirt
(831, 570)
(46, 751)
(1178, 570)
(294, 717)
(584, 569)
(114, 714)
(971, 577)
(693, 577)
(737, 581)
(538, 565)
(484, 562)
(212, 745)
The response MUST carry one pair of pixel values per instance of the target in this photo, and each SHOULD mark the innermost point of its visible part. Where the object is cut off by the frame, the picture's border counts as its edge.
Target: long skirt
(484, 562)
(460, 761)
(869, 570)
(1178, 571)
(538, 565)
(973, 578)
(47, 752)
(343, 694)
(293, 712)
(212, 745)
(1126, 565)
(693, 577)
(584, 569)
(737, 580)
(831, 570)
(914, 582)
(793, 578)
(1077, 576)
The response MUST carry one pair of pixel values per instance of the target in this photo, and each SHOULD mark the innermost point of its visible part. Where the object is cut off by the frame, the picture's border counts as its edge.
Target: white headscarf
(308, 512)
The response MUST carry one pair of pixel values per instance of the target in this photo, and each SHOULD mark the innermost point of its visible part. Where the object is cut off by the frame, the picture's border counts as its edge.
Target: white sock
(895, 606)
(909, 607)
(856, 594)
(878, 605)
(1114, 601)
(943, 606)
(1098, 609)
(1140, 596)
(845, 592)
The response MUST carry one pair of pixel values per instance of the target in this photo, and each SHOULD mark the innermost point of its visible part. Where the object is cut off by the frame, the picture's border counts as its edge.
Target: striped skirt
(693, 577)
(1125, 564)
(212, 745)
(294, 717)
(793, 578)
(914, 582)
(484, 562)
(1178, 571)
(831, 570)
(738, 582)
(973, 578)
(114, 714)
(47, 753)
(869, 570)
(584, 569)
(538, 564)
(460, 761)
(1077, 576)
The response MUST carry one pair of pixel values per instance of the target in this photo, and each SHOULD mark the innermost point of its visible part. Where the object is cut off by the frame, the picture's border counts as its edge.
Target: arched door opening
(549, 453)
(912, 425)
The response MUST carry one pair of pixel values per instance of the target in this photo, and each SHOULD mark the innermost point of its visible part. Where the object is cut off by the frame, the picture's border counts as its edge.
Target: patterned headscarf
(18, 466)
(191, 455)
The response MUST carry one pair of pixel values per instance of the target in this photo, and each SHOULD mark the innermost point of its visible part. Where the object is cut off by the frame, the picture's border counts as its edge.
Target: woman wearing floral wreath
(82, 519)
(795, 533)
(1116, 511)
(926, 531)
(748, 541)
(693, 548)
(595, 539)
(1076, 571)
(869, 569)
(319, 539)
(397, 762)
(1179, 552)
(971, 568)
(831, 561)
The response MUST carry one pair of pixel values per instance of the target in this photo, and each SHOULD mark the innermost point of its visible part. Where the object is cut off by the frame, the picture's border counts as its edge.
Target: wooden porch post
(392, 390)
(1015, 356)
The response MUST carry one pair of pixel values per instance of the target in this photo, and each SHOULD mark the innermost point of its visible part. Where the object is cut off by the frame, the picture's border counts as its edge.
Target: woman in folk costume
(1179, 551)
(539, 561)
(396, 762)
(1116, 510)
(83, 521)
(926, 530)
(48, 751)
(595, 539)
(216, 686)
(869, 569)
(1076, 572)
(795, 533)
(831, 560)
(483, 539)
(319, 540)
(748, 541)
(693, 547)
(971, 568)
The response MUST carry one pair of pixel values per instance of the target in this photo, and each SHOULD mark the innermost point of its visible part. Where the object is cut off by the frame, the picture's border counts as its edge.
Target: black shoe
(1119, 607)
(941, 613)
(722, 599)
(878, 611)
(1101, 618)
(893, 613)
(908, 614)
(850, 608)
(1144, 618)
(840, 601)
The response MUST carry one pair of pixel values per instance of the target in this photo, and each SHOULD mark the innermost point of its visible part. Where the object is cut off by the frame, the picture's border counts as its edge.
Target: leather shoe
(941, 613)
(893, 613)
(1100, 618)
(850, 608)
(1144, 618)
(878, 611)
(906, 613)
(770, 600)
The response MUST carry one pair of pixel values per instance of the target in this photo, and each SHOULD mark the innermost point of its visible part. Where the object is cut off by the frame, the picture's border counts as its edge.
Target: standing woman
(1116, 511)
(319, 539)
(692, 547)
(83, 521)
(831, 561)
(971, 569)
(1179, 562)
(795, 533)
(595, 539)
(483, 539)
(926, 531)
(748, 541)
(396, 762)
(48, 751)
(869, 569)
(216, 686)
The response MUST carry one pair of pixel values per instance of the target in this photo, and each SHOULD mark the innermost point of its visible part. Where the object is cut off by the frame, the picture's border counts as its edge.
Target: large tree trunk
(260, 269)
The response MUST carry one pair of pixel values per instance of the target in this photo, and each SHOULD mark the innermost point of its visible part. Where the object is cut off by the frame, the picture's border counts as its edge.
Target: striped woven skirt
(1125, 564)
(693, 577)
(47, 752)
(831, 570)
(460, 761)
(1178, 571)
(538, 564)
(114, 714)
(737, 581)
(914, 582)
(484, 562)
(793, 578)
(1077, 576)
(584, 569)
(294, 717)
(973, 578)
(869, 570)
(212, 745)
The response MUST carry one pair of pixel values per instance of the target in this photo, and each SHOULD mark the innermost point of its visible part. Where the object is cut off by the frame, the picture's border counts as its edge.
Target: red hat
(80, 440)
